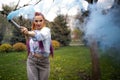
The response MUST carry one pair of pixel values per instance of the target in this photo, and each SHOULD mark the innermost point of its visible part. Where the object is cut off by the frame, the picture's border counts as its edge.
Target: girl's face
(39, 22)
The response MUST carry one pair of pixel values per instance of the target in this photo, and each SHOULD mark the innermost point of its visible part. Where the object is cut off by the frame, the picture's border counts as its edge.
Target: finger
(23, 29)
(25, 32)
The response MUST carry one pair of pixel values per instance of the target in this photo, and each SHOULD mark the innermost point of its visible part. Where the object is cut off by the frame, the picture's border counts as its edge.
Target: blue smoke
(104, 27)
(26, 12)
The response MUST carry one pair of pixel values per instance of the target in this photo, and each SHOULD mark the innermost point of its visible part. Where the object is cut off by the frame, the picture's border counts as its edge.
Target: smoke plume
(104, 27)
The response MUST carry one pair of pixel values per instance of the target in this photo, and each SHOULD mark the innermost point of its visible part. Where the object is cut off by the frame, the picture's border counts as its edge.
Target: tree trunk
(95, 62)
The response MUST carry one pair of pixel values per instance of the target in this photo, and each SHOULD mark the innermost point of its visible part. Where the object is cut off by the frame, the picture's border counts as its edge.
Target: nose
(38, 22)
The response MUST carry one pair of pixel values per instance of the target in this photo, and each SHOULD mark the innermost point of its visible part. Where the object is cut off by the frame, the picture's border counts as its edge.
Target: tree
(4, 27)
(7, 9)
(1, 29)
(60, 30)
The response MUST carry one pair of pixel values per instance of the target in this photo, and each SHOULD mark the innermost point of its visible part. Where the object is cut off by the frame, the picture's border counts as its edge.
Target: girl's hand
(24, 30)
(38, 55)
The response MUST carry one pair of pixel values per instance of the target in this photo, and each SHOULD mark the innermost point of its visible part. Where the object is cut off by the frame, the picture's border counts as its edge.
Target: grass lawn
(69, 63)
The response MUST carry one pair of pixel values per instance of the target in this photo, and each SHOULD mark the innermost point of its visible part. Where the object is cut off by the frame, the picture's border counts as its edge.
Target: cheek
(42, 23)
(35, 24)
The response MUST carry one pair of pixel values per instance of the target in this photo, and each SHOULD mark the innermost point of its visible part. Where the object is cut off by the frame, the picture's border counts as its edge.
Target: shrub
(19, 46)
(55, 44)
(6, 47)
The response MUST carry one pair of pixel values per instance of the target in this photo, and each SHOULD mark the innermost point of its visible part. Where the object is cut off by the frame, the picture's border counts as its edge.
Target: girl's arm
(27, 33)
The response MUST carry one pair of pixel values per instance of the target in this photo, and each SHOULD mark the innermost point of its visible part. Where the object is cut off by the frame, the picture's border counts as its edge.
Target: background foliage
(19, 46)
(6, 47)
(59, 29)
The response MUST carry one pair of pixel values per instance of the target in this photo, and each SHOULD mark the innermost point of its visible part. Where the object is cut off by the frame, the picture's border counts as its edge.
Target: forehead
(38, 17)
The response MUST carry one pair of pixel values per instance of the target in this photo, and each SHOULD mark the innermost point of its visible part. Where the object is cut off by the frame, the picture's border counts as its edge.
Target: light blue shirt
(43, 35)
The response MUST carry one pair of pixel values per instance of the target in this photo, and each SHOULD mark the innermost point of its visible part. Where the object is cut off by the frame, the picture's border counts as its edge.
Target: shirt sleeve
(41, 35)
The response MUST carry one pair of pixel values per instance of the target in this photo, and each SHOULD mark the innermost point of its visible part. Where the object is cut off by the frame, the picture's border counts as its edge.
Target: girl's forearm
(25, 31)
(31, 33)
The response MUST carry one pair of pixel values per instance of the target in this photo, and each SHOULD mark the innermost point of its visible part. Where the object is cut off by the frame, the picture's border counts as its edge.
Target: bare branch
(37, 2)
(17, 5)
(29, 4)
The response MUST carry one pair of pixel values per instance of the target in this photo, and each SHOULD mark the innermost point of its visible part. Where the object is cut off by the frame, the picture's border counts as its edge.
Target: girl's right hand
(24, 30)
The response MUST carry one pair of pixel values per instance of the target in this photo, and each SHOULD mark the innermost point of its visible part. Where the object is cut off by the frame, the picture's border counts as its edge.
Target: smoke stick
(15, 24)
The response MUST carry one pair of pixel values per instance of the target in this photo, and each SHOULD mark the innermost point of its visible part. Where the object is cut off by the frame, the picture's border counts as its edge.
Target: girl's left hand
(38, 55)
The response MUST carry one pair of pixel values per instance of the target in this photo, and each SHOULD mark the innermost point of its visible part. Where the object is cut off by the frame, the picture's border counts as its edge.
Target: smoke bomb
(14, 23)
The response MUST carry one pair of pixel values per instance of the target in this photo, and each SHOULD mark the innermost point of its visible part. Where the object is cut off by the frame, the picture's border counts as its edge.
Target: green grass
(69, 63)
(110, 66)
(13, 66)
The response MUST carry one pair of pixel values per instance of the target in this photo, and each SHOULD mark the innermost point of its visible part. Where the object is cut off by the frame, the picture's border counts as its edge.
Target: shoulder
(45, 29)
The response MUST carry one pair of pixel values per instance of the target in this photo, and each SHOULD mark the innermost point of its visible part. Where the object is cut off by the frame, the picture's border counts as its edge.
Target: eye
(38, 20)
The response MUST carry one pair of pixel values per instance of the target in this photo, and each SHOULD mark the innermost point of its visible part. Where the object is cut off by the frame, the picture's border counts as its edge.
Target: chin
(39, 28)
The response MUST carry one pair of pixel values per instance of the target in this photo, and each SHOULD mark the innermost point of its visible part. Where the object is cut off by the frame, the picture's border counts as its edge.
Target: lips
(38, 25)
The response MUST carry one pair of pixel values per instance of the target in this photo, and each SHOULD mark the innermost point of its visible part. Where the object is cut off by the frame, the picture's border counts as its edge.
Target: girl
(38, 65)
